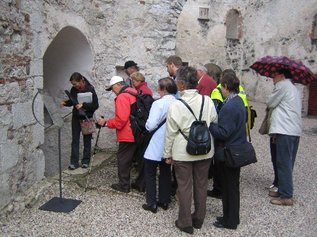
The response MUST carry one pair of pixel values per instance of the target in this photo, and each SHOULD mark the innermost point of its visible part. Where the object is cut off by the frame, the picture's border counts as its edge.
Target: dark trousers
(215, 175)
(124, 159)
(230, 195)
(285, 154)
(76, 131)
(164, 186)
(192, 179)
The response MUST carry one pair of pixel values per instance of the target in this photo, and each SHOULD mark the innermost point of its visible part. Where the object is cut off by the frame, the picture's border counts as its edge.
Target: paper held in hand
(84, 97)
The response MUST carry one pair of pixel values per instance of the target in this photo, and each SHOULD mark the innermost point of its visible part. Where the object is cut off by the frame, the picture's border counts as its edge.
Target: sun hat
(114, 80)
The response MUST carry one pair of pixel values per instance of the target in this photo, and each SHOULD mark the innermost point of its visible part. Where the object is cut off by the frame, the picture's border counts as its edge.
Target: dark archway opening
(68, 52)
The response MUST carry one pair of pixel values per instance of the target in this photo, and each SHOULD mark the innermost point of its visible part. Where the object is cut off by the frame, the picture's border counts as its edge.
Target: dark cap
(129, 64)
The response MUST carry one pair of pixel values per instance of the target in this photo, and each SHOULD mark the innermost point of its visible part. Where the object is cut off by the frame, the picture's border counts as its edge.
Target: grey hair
(201, 67)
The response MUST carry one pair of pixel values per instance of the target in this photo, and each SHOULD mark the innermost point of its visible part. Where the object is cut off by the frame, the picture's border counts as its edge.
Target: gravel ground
(104, 212)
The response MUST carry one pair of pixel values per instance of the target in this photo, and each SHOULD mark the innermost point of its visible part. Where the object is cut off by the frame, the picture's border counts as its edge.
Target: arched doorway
(68, 52)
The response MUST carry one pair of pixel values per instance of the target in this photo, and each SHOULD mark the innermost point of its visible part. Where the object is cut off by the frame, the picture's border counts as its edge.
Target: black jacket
(88, 108)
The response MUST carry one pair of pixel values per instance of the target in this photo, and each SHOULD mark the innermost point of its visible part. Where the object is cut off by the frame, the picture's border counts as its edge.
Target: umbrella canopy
(267, 66)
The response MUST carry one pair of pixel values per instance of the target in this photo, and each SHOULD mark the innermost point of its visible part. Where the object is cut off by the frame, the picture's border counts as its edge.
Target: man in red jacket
(206, 84)
(121, 122)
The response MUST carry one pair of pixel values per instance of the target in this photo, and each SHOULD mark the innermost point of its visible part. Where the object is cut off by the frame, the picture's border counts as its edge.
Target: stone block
(9, 155)
(22, 114)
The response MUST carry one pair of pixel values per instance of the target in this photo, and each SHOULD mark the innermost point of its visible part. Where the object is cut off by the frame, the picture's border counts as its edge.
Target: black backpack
(139, 113)
(199, 138)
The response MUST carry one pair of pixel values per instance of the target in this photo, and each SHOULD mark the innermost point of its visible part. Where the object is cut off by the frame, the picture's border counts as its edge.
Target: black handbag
(240, 155)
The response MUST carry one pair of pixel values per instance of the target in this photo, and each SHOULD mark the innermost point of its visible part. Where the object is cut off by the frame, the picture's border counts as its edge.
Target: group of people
(224, 110)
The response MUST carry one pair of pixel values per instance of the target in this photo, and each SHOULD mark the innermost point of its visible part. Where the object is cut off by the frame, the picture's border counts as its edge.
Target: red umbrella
(268, 65)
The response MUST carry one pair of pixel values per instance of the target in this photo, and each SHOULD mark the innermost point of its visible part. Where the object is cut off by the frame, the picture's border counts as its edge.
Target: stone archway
(68, 52)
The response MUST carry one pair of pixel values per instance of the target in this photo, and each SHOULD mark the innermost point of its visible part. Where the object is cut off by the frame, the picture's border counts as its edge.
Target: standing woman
(153, 155)
(230, 130)
(80, 85)
(191, 170)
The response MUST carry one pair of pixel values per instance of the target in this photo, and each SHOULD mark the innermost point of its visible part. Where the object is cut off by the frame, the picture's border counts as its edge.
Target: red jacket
(121, 121)
(206, 85)
(144, 88)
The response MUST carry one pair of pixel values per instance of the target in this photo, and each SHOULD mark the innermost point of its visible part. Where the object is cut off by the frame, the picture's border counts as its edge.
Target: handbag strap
(188, 107)
(158, 127)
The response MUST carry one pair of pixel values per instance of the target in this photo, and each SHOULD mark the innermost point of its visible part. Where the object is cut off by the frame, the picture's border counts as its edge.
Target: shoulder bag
(240, 155)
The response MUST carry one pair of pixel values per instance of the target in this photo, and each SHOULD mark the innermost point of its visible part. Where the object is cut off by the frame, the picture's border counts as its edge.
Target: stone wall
(112, 33)
(265, 27)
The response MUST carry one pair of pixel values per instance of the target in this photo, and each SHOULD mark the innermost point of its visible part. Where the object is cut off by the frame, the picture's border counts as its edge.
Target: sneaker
(84, 166)
(118, 187)
(72, 167)
(273, 188)
(282, 201)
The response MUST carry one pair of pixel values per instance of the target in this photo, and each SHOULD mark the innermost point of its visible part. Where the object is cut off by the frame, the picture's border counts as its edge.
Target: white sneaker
(273, 188)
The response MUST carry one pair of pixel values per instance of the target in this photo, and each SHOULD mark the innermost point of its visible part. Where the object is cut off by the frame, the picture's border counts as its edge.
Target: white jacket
(285, 102)
(179, 117)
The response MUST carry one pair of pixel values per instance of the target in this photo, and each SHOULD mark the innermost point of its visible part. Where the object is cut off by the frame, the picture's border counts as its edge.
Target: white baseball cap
(114, 80)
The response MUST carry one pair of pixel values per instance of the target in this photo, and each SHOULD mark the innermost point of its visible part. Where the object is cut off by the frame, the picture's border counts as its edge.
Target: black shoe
(152, 208)
(84, 166)
(197, 224)
(117, 187)
(137, 187)
(221, 225)
(164, 206)
(188, 229)
(219, 219)
(214, 193)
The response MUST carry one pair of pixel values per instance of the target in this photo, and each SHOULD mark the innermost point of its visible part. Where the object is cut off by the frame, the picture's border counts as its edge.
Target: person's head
(201, 70)
(172, 64)
(137, 78)
(281, 74)
(130, 67)
(229, 84)
(186, 78)
(166, 86)
(226, 71)
(116, 84)
(78, 81)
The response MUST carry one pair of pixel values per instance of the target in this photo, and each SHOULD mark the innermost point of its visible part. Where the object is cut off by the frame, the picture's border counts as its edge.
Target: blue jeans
(285, 153)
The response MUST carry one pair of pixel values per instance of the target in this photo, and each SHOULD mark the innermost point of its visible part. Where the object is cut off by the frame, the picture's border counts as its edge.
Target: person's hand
(62, 104)
(78, 106)
(101, 121)
(168, 161)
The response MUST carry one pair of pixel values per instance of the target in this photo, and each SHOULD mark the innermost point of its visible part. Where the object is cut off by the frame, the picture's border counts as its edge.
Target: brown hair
(232, 82)
(138, 76)
(177, 61)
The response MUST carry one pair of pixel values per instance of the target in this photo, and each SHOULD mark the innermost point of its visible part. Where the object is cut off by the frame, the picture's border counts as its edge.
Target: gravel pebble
(104, 212)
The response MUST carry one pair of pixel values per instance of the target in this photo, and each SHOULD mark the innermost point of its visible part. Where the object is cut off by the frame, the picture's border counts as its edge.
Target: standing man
(173, 63)
(206, 84)
(285, 131)
(121, 122)
(129, 68)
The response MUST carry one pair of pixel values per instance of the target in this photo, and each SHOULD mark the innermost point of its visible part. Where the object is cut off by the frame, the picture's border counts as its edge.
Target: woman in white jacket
(153, 155)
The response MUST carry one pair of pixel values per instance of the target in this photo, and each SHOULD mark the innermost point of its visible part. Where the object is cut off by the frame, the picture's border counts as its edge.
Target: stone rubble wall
(143, 31)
